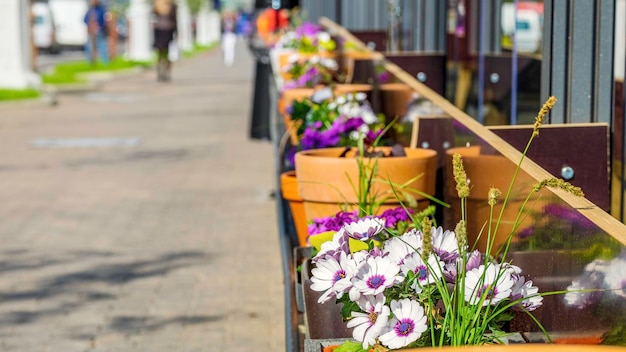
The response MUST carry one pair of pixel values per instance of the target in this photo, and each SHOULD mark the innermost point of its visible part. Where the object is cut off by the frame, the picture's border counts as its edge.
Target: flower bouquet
(308, 72)
(427, 286)
(307, 38)
(326, 120)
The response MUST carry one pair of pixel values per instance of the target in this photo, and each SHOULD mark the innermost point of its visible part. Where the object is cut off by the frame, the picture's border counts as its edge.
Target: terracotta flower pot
(395, 99)
(485, 171)
(325, 179)
(345, 88)
(289, 189)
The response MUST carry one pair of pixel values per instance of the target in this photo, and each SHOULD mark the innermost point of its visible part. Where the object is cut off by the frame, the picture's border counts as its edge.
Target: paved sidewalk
(139, 218)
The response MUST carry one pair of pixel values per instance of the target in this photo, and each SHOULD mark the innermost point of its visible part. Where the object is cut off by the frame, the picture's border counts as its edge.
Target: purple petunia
(393, 216)
(332, 223)
(308, 29)
(570, 215)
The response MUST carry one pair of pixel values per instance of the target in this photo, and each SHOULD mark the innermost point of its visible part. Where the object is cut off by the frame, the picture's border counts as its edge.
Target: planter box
(317, 345)
(325, 179)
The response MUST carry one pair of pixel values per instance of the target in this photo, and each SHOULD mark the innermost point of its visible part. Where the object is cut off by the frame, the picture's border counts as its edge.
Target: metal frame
(424, 19)
(578, 59)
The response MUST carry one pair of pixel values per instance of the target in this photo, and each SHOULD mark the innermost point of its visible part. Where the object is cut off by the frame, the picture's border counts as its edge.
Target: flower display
(395, 221)
(307, 38)
(404, 291)
(427, 286)
(309, 72)
(326, 120)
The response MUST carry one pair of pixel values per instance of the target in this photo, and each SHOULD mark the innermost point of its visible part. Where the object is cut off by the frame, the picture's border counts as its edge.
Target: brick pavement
(167, 243)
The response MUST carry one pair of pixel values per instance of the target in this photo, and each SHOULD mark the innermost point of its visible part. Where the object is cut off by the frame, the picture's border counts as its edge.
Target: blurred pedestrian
(165, 27)
(229, 38)
(96, 33)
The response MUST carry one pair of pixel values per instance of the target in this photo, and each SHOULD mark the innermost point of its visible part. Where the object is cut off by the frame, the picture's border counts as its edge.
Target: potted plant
(326, 120)
(324, 322)
(307, 40)
(329, 179)
(429, 286)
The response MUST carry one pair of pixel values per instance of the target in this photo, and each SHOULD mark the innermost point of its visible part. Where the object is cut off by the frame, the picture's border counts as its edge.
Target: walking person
(165, 26)
(229, 38)
(96, 33)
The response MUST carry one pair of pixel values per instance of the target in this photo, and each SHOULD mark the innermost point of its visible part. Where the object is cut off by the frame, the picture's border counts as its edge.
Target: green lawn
(18, 94)
(199, 49)
(66, 72)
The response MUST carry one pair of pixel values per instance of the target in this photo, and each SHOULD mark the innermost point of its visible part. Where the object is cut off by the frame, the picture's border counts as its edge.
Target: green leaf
(350, 346)
(348, 308)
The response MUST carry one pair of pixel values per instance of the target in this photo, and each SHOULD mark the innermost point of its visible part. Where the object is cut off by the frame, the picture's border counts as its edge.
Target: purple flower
(332, 223)
(352, 124)
(393, 216)
(384, 77)
(570, 215)
(309, 29)
(526, 232)
(371, 136)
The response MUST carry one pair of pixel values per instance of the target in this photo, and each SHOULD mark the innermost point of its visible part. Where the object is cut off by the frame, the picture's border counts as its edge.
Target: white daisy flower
(525, 289)
(329, 63)
(445, 244)
(407, 325)
(368, 116)
(293, 58)
(425, 272)
(615, 279)
(332, 277)
(491, 283)
(323, 37)
(575, 297)
(337, 245)
(375, 275)
(364, 229)
(360, 96)
(368, 326)
(397, 248)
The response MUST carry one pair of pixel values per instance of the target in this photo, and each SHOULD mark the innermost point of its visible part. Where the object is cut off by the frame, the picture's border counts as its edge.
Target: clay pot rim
(334, 152)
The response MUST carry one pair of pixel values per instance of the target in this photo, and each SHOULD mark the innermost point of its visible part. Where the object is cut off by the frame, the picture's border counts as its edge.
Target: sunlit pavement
(138, 218)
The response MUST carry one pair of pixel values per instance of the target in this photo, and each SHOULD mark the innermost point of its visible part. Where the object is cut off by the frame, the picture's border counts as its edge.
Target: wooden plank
(568, 145)
(588, 209)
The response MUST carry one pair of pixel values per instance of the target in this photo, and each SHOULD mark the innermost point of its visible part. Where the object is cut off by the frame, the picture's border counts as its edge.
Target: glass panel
(555, 245)
(495, 56)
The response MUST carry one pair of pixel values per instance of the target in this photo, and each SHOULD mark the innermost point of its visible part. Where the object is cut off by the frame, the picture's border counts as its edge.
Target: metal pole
(338, 12)
(394, 28)
(481, 61)
(514, 68)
